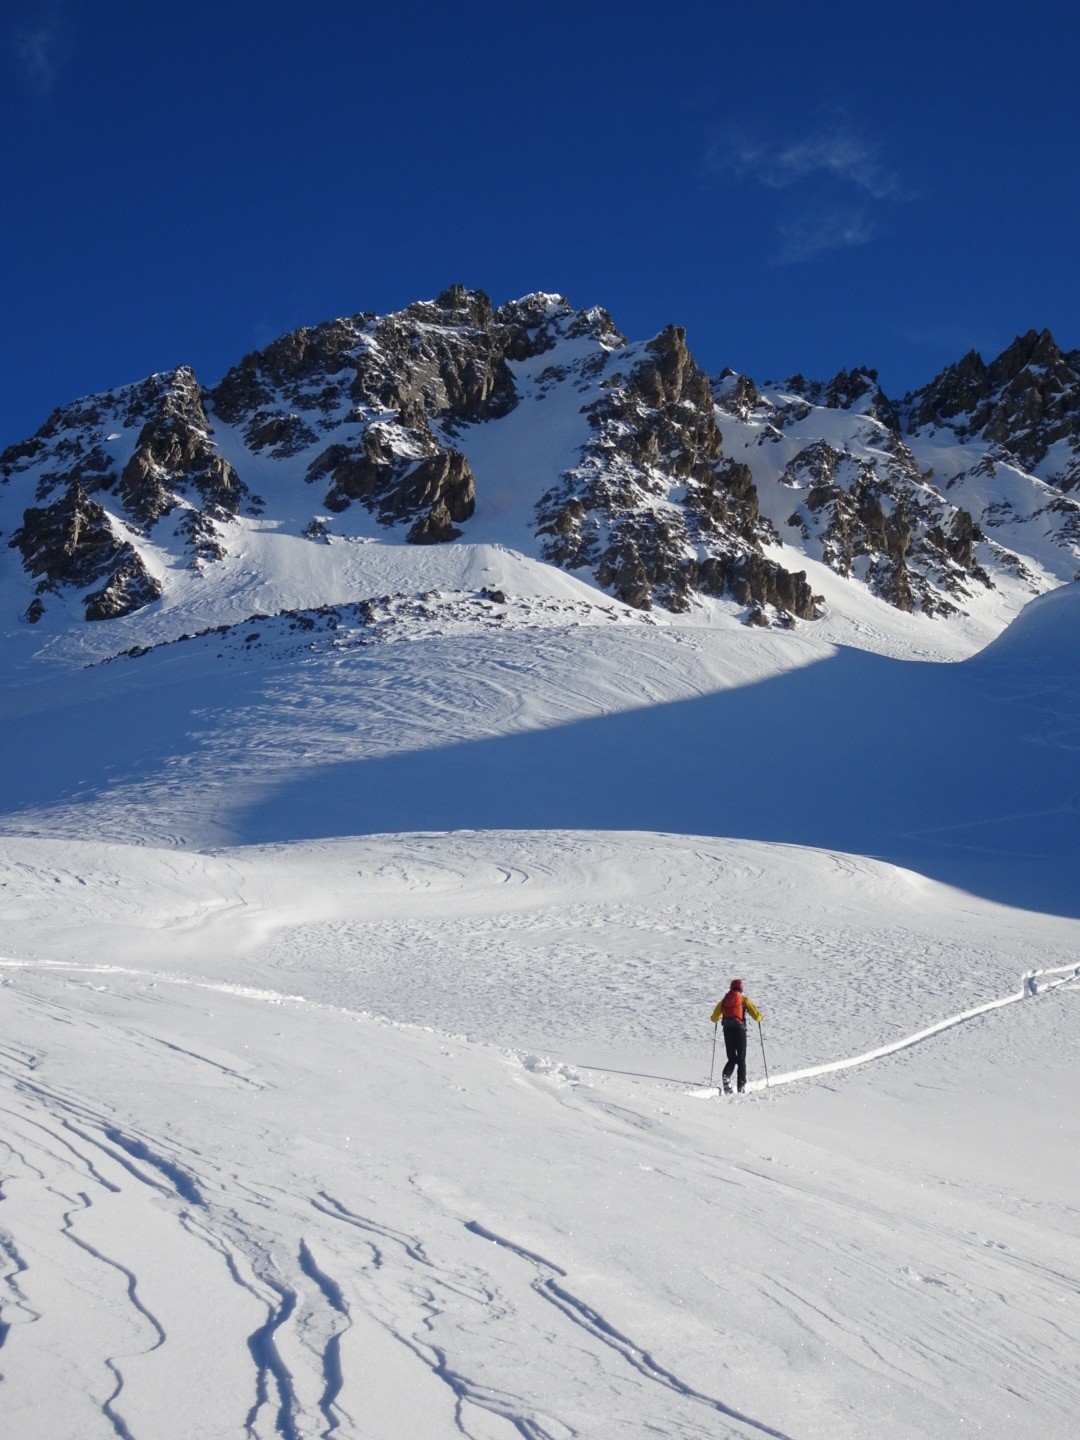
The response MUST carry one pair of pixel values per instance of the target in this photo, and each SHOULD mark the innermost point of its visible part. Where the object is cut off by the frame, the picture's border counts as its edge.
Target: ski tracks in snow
(341, 1322)
(1035, 982)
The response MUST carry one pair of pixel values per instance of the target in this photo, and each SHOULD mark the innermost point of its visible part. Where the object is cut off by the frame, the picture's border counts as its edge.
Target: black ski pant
(735, 1045)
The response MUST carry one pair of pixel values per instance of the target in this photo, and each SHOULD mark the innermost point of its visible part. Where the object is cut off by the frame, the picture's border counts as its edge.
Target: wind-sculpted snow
(234, 1146)
(571, 719)
(361, 919)
(548, 1285)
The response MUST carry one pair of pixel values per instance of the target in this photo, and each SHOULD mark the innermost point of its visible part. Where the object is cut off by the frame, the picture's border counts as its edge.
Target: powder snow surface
(355, 1051)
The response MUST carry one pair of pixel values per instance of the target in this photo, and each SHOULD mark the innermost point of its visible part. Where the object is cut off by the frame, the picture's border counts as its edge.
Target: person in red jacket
(731, 1012)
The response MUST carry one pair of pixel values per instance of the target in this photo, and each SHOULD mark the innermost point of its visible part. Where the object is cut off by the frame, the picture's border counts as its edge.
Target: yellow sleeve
(715, 1016)
(754, 1011)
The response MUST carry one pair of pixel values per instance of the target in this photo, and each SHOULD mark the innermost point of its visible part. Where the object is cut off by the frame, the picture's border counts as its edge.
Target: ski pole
(712, 1067)
(761, 1037)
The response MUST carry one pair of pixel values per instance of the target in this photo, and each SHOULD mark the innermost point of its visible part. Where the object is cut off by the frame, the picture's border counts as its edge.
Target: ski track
(1032, 985)
(1029, 989)
(298, 1351)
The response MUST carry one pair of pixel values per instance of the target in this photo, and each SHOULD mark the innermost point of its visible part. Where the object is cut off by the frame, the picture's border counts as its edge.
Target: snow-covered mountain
(542, 429)
(371, 862)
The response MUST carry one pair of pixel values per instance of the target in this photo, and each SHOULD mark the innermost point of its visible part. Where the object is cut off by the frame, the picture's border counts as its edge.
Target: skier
(732, 1012)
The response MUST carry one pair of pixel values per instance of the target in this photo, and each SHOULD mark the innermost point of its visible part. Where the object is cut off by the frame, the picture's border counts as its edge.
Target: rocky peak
(73, 542)
(957, 391)
(654, 509)
(174, 456)
(457, 306)
(856, 390)
(865, 507)
(1025, 401)
(75, 458)
(1035, 350)
(390, 392)
(378, 413)
(736, 395)
(669, 375)
(299, 367)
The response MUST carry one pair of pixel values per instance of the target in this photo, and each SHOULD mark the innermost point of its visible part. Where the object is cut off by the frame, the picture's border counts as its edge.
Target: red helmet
(736, 984)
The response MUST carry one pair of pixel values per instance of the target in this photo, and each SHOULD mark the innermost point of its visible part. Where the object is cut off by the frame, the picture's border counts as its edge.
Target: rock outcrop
(174, 455)
(396, 390)
(654, 509)
(661, 487)
(1027, 402)
(86, 493)
(873, 515)
(73, 542)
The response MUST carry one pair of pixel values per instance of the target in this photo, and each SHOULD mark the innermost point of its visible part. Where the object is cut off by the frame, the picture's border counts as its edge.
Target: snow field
(402, 1134)
(373, 1225)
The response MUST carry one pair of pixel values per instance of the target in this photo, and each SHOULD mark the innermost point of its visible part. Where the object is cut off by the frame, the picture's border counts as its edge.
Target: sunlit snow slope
(356, 967)
(411, 1136)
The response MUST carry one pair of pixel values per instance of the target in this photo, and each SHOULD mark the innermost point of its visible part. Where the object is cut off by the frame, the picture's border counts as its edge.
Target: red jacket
(732, 1006)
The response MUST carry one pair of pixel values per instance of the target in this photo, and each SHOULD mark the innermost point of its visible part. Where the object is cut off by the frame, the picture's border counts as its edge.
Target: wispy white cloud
(804, 236)
(837, 154)
(37, 47)
(830, 185)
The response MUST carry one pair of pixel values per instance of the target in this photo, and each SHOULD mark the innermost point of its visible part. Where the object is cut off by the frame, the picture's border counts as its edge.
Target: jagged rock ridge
(674, 489)
(1027, 401)
(653, 508)
(896, 494)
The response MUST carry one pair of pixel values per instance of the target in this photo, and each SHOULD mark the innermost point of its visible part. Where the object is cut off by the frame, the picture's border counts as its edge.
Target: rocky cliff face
(653, 508)
(93, 505)
(670, 489)
(876, 517)
(391, 392)
(919, 500)
(1027, 402)
(73, 542)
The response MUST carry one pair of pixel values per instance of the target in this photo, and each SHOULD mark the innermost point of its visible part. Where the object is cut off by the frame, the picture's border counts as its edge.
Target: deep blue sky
(803, 187)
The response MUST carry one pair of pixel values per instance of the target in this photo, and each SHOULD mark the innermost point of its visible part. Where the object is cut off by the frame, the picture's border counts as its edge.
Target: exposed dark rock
(72, 542)
(433, 492)
(446, 356)
(878, 517)
(19, 457)
(201, 538)
(69, 542)
(444, 480)
(736, 395)
(1026, 401)
(652, 506)
(174, 455)
(282, 434)
(654, 509)
(129, 588)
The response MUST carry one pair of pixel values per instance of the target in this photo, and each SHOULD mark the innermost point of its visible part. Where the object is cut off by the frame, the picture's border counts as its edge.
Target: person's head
(736, 984)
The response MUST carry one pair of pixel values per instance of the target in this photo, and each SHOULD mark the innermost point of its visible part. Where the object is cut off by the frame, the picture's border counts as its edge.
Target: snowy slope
(363, 905)
(354, 459)
(504, 1208)
(544, 715)
(410, 1135)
